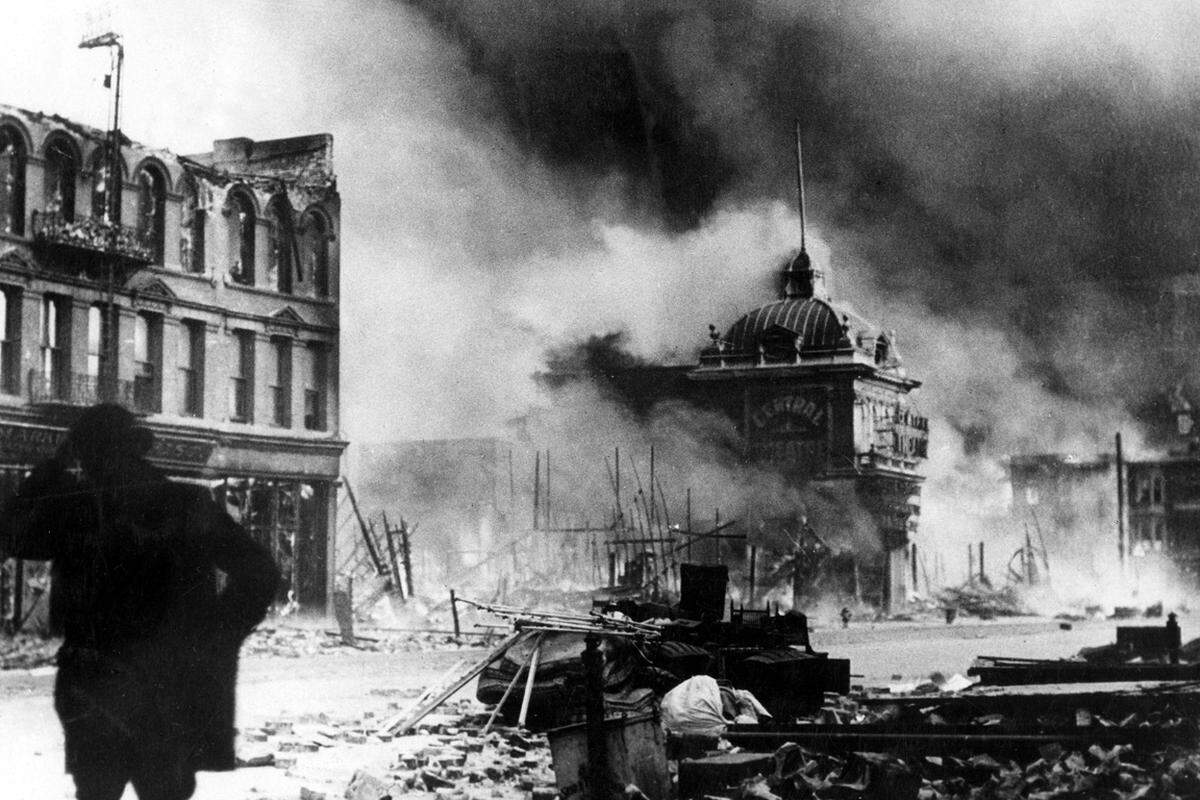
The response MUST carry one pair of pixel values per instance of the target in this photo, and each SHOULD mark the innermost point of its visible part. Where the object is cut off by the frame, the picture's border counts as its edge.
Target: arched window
(61, 174)
(281, 244)
(191, 227)
(151, 205)
(315, 255)
(12, 181)
(101, 185)
(239, 211)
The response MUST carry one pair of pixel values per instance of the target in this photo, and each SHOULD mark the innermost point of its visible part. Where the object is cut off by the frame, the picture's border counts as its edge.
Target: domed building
(820, 396)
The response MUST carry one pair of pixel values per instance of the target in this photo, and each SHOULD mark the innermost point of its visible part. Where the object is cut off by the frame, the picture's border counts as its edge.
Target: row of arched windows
(297, 251)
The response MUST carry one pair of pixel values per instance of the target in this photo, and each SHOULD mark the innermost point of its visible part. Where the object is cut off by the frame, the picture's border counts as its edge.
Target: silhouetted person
(153, 589)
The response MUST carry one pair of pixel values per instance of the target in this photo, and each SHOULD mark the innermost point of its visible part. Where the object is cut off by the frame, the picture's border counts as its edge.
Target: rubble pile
(303, 642)
(848, 710)
(1118, 773)
(983, 601)
(447, 757)
(27, 651)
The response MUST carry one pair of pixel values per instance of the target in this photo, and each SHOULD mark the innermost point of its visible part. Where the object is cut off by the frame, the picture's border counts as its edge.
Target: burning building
(199, 291)
(819, 394)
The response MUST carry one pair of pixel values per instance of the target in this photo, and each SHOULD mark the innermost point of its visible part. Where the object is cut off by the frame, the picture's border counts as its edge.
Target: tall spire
(800, 279)
(800, 184)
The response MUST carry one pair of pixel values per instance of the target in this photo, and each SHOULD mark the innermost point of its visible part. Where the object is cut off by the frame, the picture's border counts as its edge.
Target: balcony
(88, 240)
(77, 389)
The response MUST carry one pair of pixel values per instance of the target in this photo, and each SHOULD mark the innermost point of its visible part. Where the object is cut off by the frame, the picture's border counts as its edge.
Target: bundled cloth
(701, 707)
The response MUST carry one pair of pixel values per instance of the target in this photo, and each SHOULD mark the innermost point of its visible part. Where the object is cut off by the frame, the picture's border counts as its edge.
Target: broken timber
(1018, 672)
(951, 739)
(426, 704)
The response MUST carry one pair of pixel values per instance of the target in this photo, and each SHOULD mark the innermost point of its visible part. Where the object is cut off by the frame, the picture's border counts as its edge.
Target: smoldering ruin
(767, 400)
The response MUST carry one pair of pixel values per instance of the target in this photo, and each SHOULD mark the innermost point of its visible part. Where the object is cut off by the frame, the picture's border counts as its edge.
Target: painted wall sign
(28, 444)
(885, 426)
(790, 430)
(181, 451)
(24, 444)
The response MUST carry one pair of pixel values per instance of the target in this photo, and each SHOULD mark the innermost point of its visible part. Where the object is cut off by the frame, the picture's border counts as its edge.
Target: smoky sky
(1042, 181)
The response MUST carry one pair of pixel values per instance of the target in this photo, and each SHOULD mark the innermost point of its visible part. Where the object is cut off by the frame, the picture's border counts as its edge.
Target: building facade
(1150, 515)
(199, 291)
(821, 397)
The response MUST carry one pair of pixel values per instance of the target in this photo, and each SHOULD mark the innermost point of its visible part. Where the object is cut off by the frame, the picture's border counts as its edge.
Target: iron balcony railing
(92, 235)
(78, 389)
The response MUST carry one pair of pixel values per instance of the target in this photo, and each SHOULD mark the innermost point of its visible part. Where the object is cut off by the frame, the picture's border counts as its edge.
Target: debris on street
(290, 642)
(27, 651)
(978, 599)
(448, 755)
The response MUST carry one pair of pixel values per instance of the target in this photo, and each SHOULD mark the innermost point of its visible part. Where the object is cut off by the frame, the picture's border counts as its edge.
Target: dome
(811, 323)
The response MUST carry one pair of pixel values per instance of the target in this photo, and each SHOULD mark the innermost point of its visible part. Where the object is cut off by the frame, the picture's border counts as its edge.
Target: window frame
(191, 395)
(12, 180)
(241, 407)
(242, 218)
(152, 208)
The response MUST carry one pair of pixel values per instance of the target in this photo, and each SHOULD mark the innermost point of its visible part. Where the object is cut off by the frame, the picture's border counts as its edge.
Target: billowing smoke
(1009, 185)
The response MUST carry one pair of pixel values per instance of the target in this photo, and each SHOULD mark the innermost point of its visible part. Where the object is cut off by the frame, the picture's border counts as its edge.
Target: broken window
(315, 259)
(61, 174)
(239, 211)
(191, 227)
(101, 185)
(152, 202)
(12, 181)
(281, 243)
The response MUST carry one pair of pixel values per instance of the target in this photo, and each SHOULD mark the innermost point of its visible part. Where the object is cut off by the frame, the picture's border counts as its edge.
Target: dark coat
(153, 589)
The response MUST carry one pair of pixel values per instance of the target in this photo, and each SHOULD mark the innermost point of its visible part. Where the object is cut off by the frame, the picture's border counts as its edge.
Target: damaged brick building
(199, 291)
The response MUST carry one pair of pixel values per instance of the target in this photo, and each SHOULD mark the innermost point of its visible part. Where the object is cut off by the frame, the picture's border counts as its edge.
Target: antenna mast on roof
(800, 183)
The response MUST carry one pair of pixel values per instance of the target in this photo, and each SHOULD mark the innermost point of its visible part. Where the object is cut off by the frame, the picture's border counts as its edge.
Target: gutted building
(199, 291)
(820, 396)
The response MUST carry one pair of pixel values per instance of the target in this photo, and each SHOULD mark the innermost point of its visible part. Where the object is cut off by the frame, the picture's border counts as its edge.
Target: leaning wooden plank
(533, 667)
(402, 723)
(504, 698)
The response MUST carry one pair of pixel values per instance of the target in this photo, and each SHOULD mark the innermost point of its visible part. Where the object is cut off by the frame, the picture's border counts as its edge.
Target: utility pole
(1120, 505)
(112, 213)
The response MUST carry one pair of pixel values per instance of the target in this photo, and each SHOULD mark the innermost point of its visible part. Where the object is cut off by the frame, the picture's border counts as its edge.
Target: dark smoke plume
(1031, 171)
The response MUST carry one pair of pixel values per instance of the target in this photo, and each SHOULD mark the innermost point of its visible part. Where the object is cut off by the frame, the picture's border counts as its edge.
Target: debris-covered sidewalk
(447, 756)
